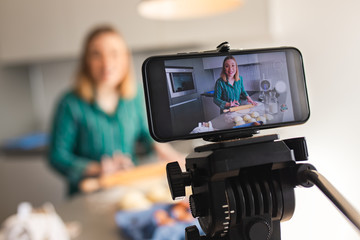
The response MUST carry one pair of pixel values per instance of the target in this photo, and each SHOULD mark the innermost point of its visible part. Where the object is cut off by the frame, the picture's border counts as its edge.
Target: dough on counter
(246, 117)
(251, 120)
(261, 118)
(237, 119)
(159, 194)
(134, 200)
(239, 123)
(255, 114)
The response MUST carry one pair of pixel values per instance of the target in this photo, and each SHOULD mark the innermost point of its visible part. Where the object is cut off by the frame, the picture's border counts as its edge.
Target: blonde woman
(229, 87)
(97, 124)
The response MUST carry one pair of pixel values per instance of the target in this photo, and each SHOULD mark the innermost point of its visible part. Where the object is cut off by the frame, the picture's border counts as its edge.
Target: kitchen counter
(91, 215)
(226, 120)
(95, 214)
(96, 211)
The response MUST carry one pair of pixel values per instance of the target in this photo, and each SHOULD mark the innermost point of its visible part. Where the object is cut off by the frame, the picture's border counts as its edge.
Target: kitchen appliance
(180, 81)
(265, 86)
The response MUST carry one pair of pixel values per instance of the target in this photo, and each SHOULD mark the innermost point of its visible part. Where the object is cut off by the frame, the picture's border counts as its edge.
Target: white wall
(328, 35)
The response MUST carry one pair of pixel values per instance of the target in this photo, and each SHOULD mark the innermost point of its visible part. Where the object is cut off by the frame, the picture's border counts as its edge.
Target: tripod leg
(330, 191)
(276, 231)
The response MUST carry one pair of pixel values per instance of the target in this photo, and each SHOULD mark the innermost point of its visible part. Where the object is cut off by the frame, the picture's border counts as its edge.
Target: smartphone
(207, 94)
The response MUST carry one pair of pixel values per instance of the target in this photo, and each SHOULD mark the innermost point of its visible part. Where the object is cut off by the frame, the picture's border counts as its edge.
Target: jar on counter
(273, 103)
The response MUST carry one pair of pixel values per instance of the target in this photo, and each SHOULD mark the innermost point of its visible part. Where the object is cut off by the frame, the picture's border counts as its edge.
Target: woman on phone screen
(229, 87)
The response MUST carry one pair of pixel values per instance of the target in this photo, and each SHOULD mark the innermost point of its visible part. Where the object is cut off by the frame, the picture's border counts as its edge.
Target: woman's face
(108, 60)
(230, 68)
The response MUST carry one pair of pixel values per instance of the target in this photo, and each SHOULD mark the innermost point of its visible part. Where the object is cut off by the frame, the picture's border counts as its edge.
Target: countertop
(95, 213)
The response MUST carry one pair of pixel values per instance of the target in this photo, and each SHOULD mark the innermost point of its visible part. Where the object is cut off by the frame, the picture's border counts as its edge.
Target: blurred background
(39, 45)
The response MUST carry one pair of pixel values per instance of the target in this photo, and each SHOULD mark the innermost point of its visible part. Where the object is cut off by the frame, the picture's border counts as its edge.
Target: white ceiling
(42, 29)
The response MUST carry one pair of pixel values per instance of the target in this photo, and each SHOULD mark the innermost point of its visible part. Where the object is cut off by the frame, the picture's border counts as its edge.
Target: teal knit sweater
(82, 132)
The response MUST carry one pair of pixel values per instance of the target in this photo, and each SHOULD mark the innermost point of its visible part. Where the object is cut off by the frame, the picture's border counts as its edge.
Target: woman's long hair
(223, 74)
(85, 84)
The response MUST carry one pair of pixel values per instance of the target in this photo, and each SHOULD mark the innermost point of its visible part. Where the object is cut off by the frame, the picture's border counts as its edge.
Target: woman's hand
(107, 166)
(251, 101)
(234, 103)
(93, 169)
(89, 185)
(119, 162)
(91, 181)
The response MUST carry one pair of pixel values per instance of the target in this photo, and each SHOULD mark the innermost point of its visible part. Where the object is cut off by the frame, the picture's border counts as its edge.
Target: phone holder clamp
(223, 47)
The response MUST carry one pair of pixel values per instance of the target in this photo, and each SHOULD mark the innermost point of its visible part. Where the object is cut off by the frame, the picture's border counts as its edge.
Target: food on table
(159, 194)
(237, 119)
(246, 117)
(162, 218)
(134, 200)
(181, 212)
(251, 120)
(261, 118)
(239, 123)
(255, 114)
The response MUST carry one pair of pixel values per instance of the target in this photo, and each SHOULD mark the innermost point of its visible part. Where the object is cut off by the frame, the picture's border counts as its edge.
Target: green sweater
(82, 132)
(224, 92)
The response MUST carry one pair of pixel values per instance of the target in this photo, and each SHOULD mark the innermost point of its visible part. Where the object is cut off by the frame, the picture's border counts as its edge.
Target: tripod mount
(242, 189)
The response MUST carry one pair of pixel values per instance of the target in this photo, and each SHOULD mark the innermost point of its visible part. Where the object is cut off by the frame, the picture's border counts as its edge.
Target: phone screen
(203, 94)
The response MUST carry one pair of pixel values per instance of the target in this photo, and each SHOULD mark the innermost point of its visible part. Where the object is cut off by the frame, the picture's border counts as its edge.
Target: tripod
(243, 189)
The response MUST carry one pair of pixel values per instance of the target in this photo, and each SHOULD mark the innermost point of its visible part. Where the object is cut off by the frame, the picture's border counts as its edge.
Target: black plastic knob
(177, 180)
(299, 147)
(260, 229)
(192, 233)
(198, 206)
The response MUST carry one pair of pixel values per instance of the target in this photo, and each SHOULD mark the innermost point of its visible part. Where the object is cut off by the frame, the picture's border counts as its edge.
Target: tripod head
(241, 189)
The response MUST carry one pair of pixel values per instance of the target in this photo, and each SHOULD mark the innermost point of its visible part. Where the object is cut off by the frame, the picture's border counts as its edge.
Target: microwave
(180, 81)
